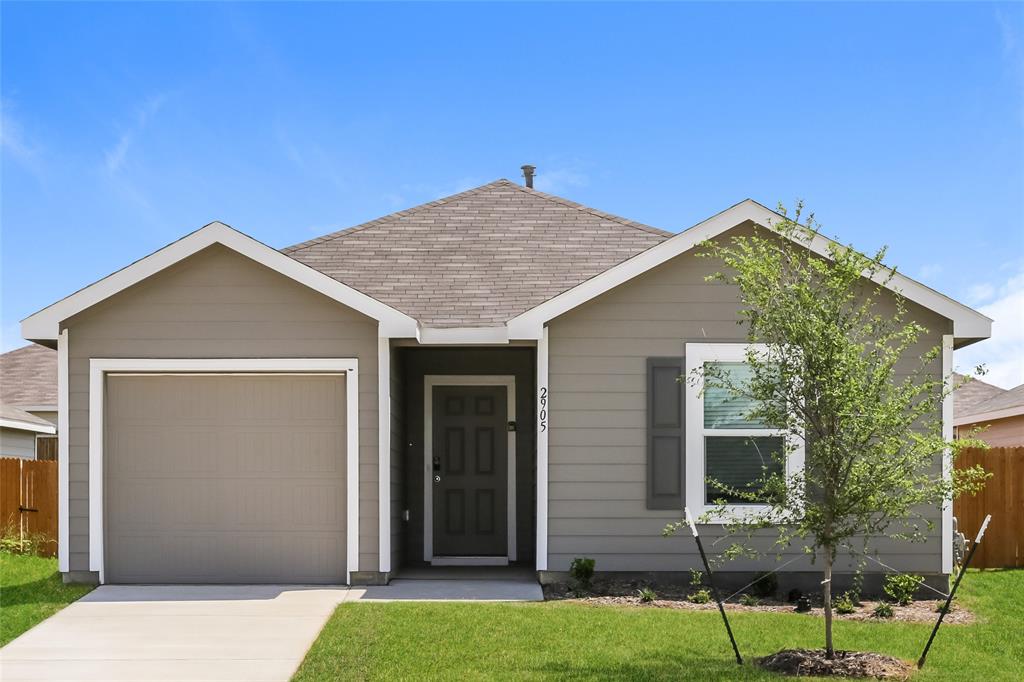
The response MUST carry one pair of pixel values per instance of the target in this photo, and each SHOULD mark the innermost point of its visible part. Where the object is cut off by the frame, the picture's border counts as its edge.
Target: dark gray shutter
(665, 468)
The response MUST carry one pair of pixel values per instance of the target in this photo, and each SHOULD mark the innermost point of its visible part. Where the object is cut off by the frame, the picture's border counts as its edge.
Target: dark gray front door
(470, 471)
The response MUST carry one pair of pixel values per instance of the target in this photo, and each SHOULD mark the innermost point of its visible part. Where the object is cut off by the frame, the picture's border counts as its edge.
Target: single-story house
(28, 403)
(999, 412)
(486, 379)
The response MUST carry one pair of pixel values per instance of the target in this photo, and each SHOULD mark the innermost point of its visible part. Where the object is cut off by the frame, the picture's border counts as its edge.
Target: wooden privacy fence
(1003, 498)
(28, 501)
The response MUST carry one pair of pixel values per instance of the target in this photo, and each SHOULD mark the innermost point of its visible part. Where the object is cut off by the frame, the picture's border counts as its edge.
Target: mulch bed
(813, 662)
(624, 593)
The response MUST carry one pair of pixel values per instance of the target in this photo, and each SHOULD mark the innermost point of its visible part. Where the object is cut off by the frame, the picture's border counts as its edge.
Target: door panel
(470, 453)
(225, 479)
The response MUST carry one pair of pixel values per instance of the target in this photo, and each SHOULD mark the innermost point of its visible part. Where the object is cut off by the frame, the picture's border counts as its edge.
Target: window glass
(724, 409)
(738, 462)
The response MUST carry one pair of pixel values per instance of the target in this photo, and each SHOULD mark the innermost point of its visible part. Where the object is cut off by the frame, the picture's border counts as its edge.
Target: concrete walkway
(253, 633)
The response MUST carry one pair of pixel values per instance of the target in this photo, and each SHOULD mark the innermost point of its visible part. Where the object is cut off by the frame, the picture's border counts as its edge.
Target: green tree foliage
(829, 335)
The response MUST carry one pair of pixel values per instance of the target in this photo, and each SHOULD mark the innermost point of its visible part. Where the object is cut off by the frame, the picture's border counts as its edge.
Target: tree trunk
(827, 595)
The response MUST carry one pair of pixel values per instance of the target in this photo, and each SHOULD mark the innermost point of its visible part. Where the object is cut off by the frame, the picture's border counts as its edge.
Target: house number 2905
(543, 415)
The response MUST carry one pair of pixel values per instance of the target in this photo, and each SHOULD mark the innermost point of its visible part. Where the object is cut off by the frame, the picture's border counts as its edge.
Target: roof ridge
(500, 182)
(593, 211)
(397, 214)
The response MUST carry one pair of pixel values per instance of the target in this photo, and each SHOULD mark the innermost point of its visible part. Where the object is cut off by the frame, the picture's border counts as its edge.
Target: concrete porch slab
(480, 590)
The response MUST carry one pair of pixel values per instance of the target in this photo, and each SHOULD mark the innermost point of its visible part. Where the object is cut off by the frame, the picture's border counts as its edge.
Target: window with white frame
(723, 442)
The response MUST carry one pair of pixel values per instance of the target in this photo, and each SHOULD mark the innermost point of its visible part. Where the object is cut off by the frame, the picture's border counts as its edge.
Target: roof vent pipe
(528, 171)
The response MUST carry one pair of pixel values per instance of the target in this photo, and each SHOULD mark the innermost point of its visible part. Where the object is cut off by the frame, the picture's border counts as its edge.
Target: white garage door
(213, 478)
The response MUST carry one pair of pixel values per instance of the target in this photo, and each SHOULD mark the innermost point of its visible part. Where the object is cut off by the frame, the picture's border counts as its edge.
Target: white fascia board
(44, 325)
(1014, 411)
(967, 323)
(20, 425)
(463, 335)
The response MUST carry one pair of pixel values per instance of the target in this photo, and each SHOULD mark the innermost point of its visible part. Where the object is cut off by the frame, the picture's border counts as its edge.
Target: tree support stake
(711, 583)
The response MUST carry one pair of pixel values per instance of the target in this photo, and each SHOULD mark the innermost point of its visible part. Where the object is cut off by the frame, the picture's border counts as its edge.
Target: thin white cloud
(115, 158)
(560, 179)
(1003, 354)
(929, 271)
(15, 141)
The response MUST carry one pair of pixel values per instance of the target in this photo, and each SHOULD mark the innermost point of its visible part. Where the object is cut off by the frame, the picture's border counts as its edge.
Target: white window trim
(429, 382)
(696, 354)
(100, 367)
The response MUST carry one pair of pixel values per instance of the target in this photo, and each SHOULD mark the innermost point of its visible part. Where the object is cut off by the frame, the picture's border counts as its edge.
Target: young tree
(825, 372)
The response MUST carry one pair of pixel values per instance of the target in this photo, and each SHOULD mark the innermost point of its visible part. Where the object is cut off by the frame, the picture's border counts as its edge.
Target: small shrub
(701, 596)
(803, 604)
(883, 610)
(12, 542)
(766, 586)
(647, 595)
(844, 604)
(696, 578)
(749, 600)
(939, 605)
(582, 571)
(901, 587)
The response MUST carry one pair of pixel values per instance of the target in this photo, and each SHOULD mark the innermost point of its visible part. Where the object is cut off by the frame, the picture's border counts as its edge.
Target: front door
(470, 471)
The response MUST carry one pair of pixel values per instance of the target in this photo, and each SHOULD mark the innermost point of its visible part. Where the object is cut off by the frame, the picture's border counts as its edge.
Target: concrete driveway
(253, 633)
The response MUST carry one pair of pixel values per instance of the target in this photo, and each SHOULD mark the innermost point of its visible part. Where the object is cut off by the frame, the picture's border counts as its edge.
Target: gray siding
(219, 304)
(15, 443)
(597, 449)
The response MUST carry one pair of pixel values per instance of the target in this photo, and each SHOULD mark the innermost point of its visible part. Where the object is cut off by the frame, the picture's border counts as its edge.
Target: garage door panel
(225, 478)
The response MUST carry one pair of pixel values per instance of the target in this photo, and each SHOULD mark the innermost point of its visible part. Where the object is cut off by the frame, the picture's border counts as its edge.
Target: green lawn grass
(571, 641)
(30, 591)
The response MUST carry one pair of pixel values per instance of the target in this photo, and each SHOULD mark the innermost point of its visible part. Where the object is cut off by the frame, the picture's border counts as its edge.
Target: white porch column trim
(63, 465)
(384, 453)
(543, 411)
(947, 458)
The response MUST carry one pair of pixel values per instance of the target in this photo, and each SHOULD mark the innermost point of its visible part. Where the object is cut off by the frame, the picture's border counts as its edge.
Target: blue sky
(126, 126)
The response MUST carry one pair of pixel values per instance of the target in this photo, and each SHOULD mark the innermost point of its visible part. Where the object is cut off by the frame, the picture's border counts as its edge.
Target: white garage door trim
(98, 367)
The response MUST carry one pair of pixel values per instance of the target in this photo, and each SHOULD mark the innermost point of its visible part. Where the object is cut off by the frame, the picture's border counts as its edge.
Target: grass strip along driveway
(30, 592)
(409, 641)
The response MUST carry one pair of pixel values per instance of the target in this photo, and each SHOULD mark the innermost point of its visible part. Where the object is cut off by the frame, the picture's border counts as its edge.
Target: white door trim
(100, 367)
(429, 382)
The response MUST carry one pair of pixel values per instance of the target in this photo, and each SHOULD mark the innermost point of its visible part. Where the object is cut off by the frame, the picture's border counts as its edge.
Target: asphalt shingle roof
(1004, 401)
(972, 393)
(28, 376)
(478, 258)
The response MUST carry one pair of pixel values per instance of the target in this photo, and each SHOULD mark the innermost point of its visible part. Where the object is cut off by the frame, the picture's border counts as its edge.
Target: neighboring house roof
(12, 417)
(970, 392)
(478, 258)
(488, 265)
(28, 377)
(998, 404)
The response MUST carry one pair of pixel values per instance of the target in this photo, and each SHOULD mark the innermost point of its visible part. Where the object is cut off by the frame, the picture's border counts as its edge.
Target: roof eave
(44, 326)
(969, 326)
